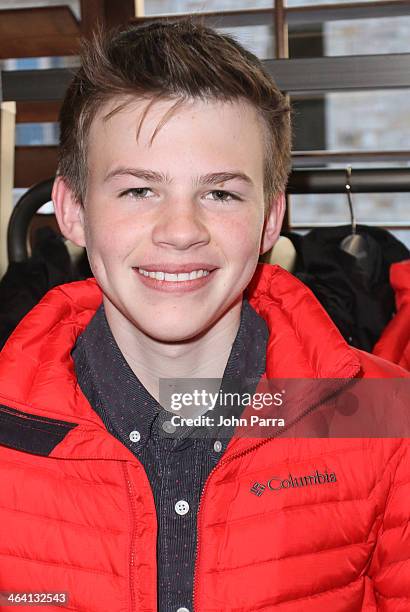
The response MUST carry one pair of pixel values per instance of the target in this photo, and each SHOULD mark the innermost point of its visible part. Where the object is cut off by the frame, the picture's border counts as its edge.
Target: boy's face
(193, 197)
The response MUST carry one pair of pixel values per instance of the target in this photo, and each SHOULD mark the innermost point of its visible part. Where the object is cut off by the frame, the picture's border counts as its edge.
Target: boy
(175, 151)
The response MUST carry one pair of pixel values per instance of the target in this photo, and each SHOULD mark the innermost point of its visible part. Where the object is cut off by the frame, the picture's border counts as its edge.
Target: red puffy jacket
(77, 513)
(394, 343)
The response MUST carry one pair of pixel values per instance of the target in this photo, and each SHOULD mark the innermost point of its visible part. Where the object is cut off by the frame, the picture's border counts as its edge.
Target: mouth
(175, 276)
(185, 280)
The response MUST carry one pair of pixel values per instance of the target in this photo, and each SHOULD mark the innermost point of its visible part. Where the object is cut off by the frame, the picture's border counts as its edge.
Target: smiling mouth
(175, 282)
(174, 277)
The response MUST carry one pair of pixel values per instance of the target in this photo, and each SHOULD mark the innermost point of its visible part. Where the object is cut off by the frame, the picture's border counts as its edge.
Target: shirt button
(182, 610)
(181, 507)
(217, 446)
(135, 436)
(168, 427)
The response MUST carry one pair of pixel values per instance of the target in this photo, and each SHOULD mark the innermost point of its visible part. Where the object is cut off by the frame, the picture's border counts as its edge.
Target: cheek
(242, 236)
(107, 233)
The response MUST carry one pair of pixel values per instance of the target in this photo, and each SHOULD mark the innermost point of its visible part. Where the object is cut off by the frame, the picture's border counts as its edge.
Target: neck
(204, 356)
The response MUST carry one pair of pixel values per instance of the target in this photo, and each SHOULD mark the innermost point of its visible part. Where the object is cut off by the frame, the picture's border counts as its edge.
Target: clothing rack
(366, 180)
(363, 180)
(301, 180)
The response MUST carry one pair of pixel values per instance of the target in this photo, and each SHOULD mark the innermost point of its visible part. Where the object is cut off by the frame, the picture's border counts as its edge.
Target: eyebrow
(146, 175)
(213, 178)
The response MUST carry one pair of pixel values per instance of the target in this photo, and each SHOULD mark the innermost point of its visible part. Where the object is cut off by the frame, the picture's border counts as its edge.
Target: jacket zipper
(133, 534)
(222, 462)
(235, 456)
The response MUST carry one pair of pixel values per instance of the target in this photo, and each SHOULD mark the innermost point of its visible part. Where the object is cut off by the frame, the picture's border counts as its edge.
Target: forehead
(226, 131)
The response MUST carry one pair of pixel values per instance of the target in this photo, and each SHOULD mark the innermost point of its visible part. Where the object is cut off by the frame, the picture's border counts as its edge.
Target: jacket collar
(37, 371)
(303, 340)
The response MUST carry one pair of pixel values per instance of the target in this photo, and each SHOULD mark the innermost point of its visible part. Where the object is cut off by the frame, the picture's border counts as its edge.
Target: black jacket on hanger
(356, 294)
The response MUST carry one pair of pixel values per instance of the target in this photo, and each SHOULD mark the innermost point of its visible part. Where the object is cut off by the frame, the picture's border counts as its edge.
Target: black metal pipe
(364, 180)
(312, 180)
(23, 212)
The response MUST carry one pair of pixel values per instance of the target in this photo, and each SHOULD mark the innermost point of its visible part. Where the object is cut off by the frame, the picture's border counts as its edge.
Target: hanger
(354, 244)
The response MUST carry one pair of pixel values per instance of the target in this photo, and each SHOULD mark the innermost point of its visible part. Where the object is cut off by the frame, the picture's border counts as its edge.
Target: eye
(222, 196)
(138, 193)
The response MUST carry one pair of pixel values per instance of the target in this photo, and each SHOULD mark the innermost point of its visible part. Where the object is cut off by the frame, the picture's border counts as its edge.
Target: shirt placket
(179, 496)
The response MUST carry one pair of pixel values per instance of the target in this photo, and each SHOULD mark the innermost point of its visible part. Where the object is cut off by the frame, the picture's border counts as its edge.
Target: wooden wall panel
(37, 32)
(38, 112)
(105, 12)
(34, 164)
(7, 135)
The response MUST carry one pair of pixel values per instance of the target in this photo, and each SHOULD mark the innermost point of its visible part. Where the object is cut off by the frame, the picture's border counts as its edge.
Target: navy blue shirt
(177, 466)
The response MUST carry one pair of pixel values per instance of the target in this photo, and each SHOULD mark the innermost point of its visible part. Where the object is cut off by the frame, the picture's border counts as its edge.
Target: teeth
(182, 276)
(170, 277)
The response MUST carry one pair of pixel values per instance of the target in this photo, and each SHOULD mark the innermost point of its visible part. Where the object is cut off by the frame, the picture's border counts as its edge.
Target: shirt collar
(122, 401)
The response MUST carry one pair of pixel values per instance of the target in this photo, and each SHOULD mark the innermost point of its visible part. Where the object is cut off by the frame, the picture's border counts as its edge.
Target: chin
(173, 334)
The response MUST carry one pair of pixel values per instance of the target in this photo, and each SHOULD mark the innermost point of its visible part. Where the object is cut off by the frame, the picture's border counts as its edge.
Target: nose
(180, 225)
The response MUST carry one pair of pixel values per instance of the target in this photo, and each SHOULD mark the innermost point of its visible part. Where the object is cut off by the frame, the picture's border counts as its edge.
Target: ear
(273, 223)
(69, 212)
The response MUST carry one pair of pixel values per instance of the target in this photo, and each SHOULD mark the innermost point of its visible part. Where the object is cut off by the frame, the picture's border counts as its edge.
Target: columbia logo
(257, 488)
(277, 483)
